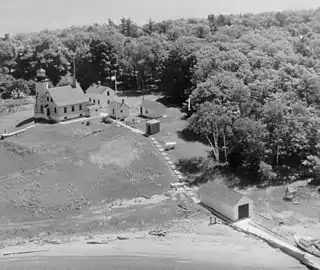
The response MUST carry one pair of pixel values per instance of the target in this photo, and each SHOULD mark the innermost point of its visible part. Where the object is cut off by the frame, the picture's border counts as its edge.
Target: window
(72, 108)
(121, 111)
(65, 109)
(51, 99)
(55, 110)
(108, 93)
(80, 107)
(94, 101)
(108, 101)
(65, 117)
(80, 114)
(98, 102)
(48, 99)
(41, 109)
(90, 99)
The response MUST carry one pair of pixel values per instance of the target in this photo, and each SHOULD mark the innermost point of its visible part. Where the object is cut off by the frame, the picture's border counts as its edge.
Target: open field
(14, 121)
(65, 169)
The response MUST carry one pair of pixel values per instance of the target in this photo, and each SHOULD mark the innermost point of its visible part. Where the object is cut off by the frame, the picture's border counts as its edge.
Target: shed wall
(244, 200)
(222, 208)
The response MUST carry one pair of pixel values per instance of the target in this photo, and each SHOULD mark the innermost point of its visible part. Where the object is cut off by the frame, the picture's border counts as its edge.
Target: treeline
(254, 80)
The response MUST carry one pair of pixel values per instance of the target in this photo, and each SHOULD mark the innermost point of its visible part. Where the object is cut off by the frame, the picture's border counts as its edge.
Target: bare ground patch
(120, 152)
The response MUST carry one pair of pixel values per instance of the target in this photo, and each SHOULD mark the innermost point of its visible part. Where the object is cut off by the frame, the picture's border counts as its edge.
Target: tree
(150, 27)
(177, 74)
(11, 87)
(212, 122)
(99, 63)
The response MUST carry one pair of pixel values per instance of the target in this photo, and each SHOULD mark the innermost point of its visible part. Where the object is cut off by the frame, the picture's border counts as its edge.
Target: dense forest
(253, 79)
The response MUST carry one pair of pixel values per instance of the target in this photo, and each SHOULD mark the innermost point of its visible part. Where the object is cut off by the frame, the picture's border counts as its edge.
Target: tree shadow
(189, 136)
(192, 165)
(129, 94)
(185, 117)
(167, 102)
(315, 182)
(25, 122)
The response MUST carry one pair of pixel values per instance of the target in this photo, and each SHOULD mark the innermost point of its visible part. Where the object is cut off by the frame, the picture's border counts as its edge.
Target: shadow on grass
(189, 136)
(167, 102)
(25, 122)
(194, 165)
(129, 94)
(137, 93)
(315, 182)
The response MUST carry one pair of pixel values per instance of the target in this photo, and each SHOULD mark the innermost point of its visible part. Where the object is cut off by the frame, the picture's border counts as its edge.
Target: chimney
(99, 83)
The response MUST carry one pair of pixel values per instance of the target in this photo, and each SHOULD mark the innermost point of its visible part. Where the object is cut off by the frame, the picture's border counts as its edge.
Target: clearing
(77, 178)
(52, 172)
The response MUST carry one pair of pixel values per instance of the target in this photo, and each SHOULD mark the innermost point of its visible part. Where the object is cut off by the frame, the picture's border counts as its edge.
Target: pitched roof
(66, 95)
(220, 193)
(119, 103)
(98, 90)
(153, 121)
(153, 105)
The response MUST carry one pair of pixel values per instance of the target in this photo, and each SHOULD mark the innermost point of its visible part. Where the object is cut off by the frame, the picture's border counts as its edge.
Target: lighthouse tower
(41, 83)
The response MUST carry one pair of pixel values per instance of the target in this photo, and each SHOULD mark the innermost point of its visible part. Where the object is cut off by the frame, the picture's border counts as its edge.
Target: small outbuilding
(152, 109)
(152, 127)
(93, 110)
(119, 109)
(290, 193)
(225, 201)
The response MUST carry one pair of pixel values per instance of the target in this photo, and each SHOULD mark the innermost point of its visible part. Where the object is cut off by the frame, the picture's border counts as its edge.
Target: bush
(106, 120)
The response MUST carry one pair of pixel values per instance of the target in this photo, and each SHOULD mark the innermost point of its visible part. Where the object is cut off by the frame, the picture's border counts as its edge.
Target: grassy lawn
(114, 163)
(171, 128)
(12, 122)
